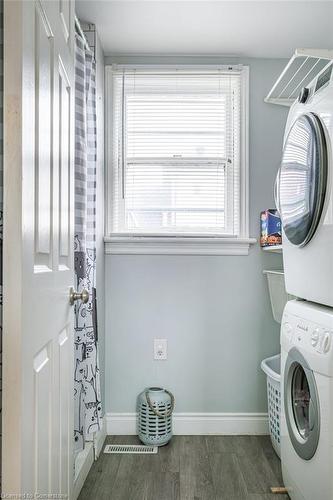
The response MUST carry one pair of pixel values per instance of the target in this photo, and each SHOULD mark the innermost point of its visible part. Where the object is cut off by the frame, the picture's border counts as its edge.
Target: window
(177, 159)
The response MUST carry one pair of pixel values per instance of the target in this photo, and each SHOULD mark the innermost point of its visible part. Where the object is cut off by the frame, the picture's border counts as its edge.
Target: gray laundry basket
(272, 368)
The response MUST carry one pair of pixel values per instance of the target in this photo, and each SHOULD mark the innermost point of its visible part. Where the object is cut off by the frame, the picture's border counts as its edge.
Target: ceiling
(270, 29)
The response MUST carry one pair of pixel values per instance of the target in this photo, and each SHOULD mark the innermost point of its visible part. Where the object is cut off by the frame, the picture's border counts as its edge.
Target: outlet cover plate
(160, 349)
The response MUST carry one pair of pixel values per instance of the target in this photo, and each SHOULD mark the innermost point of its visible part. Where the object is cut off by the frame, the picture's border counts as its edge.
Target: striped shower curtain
(87, 398)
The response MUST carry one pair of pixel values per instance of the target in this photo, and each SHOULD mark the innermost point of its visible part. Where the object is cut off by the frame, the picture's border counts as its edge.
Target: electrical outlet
(160, 349)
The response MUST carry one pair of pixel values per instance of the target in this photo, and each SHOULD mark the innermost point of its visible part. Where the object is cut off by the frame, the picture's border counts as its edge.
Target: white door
(38, 248)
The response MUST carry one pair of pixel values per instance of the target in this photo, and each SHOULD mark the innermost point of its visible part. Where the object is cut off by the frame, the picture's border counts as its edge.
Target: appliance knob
(303, 95)
(287, 327)
(326, 342)
(315, 337)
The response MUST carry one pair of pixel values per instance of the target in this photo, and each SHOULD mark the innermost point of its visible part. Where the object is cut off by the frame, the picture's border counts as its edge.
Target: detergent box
(270, 228)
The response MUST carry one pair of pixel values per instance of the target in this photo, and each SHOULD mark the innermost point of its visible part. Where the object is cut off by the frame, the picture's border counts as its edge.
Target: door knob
(73, 296)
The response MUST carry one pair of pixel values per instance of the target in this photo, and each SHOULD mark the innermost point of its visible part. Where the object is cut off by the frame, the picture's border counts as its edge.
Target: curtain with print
(87, 396)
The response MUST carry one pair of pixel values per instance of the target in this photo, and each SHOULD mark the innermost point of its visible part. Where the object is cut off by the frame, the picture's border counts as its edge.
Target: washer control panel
(306, 334)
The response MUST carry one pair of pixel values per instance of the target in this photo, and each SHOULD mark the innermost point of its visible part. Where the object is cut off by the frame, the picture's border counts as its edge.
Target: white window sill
(161, 245)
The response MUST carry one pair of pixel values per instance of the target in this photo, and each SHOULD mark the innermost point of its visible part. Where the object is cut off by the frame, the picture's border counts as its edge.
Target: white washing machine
(307, 401)
(304, 193)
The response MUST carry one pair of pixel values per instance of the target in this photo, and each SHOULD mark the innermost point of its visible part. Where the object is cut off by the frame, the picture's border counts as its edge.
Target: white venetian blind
(176, 139)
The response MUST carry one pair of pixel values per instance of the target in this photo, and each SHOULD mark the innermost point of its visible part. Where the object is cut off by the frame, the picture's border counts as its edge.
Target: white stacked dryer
(305, 202)
(305, 194)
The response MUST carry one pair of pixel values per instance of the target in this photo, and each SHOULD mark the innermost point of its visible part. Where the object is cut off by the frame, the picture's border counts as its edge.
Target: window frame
(128, 243)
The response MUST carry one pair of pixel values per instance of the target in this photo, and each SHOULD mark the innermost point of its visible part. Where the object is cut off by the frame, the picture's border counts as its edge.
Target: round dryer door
(301, 405)
(302, 179)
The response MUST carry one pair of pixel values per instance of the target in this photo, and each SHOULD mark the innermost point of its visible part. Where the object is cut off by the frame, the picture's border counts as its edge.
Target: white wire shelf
(273, 249)
(302, 68)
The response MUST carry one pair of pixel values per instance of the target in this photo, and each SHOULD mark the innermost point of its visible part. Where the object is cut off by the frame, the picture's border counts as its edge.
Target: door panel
(38, 251)
(65, 15)
(43, 141)
(42, 417)
(302, 179)
(65, 417)
(64, 166)
(301, 403)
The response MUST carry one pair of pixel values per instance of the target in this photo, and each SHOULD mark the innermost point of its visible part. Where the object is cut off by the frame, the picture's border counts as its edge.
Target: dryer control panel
(324, 78)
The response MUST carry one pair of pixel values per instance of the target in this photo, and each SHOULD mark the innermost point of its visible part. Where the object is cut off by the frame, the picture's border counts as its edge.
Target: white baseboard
(86, 457)
(83, 463)
(195, 423)
(99, 438)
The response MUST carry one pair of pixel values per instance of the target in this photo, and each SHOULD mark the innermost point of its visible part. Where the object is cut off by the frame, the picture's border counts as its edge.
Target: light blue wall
(214, 310)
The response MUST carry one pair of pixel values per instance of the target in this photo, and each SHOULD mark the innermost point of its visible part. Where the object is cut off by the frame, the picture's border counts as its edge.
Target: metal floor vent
(130, 448)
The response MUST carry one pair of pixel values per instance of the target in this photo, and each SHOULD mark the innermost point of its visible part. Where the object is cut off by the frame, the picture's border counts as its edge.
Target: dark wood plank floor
(188, 468)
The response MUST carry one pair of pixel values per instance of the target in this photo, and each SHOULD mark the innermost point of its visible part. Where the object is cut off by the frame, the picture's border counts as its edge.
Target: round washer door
(302, 179)
(301, 404)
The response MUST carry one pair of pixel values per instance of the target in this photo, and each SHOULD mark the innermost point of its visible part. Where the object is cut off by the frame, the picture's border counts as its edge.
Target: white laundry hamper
(277, 292)
(272, 368)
